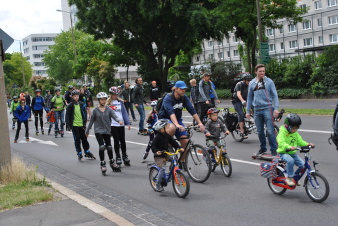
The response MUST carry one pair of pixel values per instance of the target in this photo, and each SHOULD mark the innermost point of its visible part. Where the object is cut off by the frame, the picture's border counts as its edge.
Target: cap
(181, 85)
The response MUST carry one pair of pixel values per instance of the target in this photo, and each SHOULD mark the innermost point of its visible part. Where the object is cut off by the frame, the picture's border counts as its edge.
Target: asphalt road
(243, 199)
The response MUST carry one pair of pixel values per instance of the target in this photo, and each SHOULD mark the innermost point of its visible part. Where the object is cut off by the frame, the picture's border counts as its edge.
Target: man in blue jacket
(22, 113)
(262, 96)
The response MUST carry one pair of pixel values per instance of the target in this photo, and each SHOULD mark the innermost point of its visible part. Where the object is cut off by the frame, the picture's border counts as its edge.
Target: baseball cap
(181, 85)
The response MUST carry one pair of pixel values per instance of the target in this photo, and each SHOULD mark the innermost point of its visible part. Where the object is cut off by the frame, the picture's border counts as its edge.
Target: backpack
(230, 119)
(233, 86)
(160, 101)
(334, 135)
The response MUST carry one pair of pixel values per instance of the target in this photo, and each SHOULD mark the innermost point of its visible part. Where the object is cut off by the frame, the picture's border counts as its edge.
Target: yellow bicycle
(221, 158)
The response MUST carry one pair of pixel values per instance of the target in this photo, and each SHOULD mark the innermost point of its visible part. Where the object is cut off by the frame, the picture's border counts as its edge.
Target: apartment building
(34, 46)
(319, 29)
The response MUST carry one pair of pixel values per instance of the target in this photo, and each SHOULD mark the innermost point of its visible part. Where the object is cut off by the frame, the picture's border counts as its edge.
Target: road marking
(313, 131)
(32, 139)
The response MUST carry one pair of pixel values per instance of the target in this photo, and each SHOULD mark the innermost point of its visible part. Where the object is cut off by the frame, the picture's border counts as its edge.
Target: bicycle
(316, 185)
(249, 126)
(197, 159)
(222, 158)
(180, 182)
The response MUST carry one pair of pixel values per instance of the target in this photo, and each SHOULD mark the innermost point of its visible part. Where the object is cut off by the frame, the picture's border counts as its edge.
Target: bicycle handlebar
(303, 149)
(170, 153)
(219, 138)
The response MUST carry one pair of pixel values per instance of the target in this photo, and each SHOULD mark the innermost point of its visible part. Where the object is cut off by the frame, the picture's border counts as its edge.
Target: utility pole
(5, 151)
(23, 69)
(259, 20)
(263, 46)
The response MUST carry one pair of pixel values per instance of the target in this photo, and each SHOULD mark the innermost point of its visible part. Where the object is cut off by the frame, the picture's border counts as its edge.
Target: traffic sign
(264, 52)
(6, 39)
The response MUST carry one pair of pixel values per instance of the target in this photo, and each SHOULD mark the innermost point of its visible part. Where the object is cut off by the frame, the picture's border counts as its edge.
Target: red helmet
(212, 110)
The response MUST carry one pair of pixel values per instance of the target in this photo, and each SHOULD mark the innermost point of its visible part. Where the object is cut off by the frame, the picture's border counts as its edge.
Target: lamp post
(71, 25)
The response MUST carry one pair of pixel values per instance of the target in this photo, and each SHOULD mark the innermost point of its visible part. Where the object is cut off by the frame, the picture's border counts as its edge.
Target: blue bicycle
(180, 182)
(316, 185)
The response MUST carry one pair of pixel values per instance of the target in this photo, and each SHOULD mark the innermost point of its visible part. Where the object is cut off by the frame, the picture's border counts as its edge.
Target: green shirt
(14, 105)
(58, 102)
(287, 140)
(77, 116)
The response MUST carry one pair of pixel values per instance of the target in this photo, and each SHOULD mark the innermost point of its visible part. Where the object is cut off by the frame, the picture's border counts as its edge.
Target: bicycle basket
(231, 121)
(268, 169)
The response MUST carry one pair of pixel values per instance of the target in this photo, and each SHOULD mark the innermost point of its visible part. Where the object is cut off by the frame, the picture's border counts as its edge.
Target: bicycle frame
(219, 157)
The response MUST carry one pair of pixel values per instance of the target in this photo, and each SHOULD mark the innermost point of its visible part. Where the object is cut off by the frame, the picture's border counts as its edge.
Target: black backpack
(334, 135)
(233, 86)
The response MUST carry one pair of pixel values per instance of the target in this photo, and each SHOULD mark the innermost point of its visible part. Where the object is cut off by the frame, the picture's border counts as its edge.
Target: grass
(20, 186)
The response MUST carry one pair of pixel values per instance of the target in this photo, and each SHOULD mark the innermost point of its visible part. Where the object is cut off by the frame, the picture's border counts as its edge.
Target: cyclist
(159, 145)
(289, 138)
(171, 109)
(151, 120)
(239, 97)
(22, 113)
(58, 106)
(214, 127)
(38, 104)
(15, 103)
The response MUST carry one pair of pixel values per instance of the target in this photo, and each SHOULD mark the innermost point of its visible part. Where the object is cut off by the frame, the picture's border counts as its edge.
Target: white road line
(313, 131)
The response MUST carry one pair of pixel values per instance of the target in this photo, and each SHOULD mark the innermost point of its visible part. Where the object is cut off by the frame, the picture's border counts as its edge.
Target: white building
(34, 46)
(319, 30)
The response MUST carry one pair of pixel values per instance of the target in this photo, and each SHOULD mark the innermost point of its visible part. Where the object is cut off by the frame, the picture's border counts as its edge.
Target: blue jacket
(211, 92)
(22, 114)
(171, 106)
(38, 103)
(262, 95)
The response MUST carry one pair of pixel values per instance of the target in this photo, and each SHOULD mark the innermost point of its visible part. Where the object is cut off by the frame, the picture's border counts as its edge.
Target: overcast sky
(20, 18)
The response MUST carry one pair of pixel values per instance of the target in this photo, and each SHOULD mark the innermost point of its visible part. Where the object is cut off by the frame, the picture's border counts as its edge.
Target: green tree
(154, 30)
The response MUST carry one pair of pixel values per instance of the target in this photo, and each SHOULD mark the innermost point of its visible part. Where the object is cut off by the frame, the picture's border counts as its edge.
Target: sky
(20, 18)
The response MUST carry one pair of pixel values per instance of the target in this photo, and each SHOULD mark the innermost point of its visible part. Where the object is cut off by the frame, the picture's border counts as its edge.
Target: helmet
(160, 124)
(47, 90)
(15, 97)
(57, 89)
(70, 87)
(248, 77)
(292, 120)
(114, 90)
(75, 92)
(38, 91)
(101, 95)
(212, 110)
(153, 103)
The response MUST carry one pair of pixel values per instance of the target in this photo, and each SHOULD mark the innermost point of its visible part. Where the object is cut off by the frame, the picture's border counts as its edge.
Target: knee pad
(102, 148)
(109, 148)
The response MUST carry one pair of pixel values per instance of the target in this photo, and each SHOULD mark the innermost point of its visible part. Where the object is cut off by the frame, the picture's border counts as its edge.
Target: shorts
(178, 133)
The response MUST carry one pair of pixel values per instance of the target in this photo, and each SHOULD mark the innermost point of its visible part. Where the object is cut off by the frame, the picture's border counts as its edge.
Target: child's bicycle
(316, 185)
(180, 182)
(222, 158)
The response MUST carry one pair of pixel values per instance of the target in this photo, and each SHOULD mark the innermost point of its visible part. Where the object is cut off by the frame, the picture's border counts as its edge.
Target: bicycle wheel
(236, 134)
(153, 171)
(226, 165)
(181, 184)
(317, 187)
(276, 130)
(275, 189)
(198, 163)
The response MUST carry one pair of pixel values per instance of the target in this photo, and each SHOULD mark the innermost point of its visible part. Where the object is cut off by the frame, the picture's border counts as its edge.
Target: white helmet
(101, 95)
(114, 90)
(160, 124)
(153, 103)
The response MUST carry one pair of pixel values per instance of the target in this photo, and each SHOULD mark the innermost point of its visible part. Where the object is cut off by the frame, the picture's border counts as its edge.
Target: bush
(291, 93)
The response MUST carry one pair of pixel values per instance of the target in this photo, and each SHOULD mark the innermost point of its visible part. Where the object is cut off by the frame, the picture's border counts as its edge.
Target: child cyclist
(214, 127)
(159, 145)
(151, 120)
(101, 117)
(76, 119)
(22, 113)
(289, 138)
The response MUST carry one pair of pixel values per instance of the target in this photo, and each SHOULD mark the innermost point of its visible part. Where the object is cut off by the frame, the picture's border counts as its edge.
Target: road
(243, 199)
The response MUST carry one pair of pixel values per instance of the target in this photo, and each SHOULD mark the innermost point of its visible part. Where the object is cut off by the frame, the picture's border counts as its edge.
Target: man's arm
(201, 91)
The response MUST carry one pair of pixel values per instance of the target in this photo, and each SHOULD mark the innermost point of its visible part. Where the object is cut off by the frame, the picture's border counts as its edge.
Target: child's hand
(128, 127)
(227, 132)
(293, 148)
(159, 153)
(208, 134)
(121, 123)
(182, 150)
(312, 145)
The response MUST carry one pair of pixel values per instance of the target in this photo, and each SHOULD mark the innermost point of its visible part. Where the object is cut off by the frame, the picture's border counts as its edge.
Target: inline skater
(58, 106)
(38, 104)
(101, 118)
(22, 113)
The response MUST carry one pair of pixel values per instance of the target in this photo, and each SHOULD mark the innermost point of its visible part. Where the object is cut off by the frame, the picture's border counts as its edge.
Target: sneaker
(145, 155)
(260, 152)
(243, 136)
(159, 187)
(135, 120)
(289, 181)
(15, 141)
(298, 183)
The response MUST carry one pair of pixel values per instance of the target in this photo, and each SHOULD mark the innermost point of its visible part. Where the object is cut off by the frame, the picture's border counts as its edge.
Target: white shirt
(117, 108)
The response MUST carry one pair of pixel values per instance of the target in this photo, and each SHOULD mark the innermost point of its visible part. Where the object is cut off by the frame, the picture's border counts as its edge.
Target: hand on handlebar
(180, 128)
(202, 128)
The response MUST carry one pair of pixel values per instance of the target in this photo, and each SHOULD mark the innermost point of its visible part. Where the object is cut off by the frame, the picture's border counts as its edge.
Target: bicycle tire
(181, 184)
(275, 189)
(322, 191)
(226, 166)
(153, 171)
(198, 163)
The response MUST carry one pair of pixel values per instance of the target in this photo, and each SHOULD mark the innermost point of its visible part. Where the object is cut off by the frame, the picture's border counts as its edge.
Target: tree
(155, 30)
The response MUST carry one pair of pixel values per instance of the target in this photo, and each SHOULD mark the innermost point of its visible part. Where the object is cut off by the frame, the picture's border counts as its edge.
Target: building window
(39, 64)
(234, 39)
(197, 58)
(293, 44)
(235, 52)
(37, 55)
(333, 20)
(211, 56)
(303, 7)
(220, 55)
(307, 25)
(320, 39)
(307, 42)
(281, 30)
(292, 28)
(210, 44)
(28, 57)
(331, 2)
(270, 32)
(26, 50)
(39, 47)
(320, 22)
(282, 45)
(318, 4)
(43, 39)
(334, 38)
(228, 53)
(219, 43)
(25, 42)
(272, 47)
(40, 72)
(228, 40)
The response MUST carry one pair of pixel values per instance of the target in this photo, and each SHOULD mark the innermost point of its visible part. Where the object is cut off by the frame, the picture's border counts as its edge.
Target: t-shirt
(117, 108)
(243, 88)
(58, 102)
(77, 116)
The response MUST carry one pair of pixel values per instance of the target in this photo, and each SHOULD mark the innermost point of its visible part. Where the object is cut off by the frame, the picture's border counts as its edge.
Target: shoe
(145, 155)
(289, 181)
(135, 120)
(15, 141)
(298, 183)
(243, 136)
(159, 187)
(260, 152)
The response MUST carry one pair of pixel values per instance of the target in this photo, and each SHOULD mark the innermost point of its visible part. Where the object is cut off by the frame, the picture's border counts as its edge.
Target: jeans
(265, 116)
(129, 105)
(292, 160)
(142, 113)
(60, 114)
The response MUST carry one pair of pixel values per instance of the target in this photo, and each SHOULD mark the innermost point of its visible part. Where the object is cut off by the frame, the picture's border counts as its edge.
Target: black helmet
(248, 77)
(38, 91)
(292, 120)
(70, 87)
(75, 92)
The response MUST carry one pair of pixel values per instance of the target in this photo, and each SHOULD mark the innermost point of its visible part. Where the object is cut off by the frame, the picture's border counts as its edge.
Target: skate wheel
(254, 157)
(104, 173)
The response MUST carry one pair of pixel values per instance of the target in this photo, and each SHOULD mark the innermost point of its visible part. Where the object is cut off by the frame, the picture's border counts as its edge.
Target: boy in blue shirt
(22, 113)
